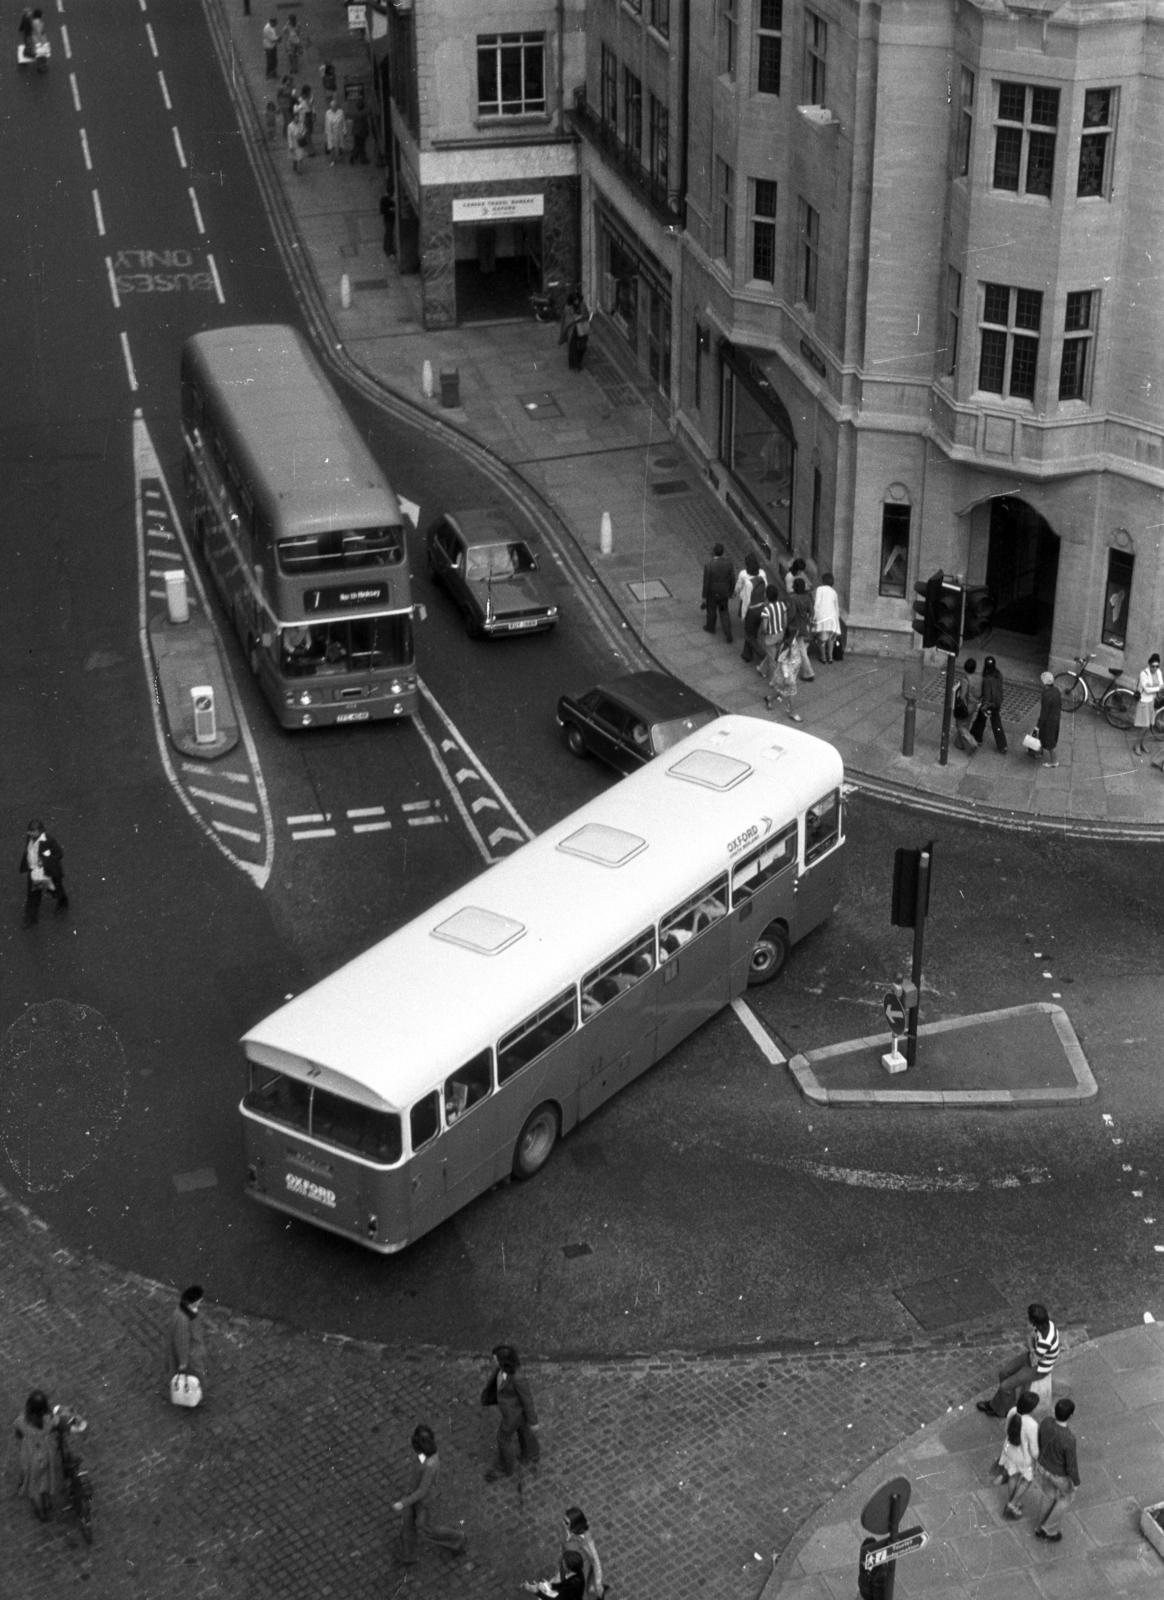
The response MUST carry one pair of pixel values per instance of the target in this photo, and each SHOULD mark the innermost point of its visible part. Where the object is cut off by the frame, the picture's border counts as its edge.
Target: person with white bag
(187, 1350)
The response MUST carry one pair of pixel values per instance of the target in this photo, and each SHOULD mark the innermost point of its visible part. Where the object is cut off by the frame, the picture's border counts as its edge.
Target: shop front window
(1117, 598)
(621, 291)
(760, 450)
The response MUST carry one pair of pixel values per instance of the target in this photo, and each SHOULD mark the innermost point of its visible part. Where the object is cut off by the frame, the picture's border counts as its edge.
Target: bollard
(606, 535)
(345, 292)
(205, 722)
(426, 380)
(177, 600)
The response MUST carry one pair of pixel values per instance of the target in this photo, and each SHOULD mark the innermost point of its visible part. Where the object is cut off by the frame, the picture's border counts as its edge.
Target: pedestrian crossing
(358, 820)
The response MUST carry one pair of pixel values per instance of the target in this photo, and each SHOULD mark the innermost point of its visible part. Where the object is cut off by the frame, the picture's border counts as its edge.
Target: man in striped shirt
(1036, 1361)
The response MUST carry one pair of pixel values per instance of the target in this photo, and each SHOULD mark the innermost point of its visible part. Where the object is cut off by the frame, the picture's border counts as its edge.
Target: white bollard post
(346, 292)
(606, 535)
(177, 600)
(426, 380)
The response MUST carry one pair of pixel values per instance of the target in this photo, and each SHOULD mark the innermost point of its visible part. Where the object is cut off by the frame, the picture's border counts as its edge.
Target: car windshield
(665, 734)
(498, 561)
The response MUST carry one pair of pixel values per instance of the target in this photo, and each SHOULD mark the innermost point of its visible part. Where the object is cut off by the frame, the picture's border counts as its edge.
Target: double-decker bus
(299, 528)
(455, 1052)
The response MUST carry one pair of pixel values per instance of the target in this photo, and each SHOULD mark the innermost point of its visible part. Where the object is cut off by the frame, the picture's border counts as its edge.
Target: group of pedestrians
(1044, 1453)
(781, 620)
(292, 112)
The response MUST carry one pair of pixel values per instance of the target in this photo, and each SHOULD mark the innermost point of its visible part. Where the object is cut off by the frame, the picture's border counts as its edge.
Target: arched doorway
(1022, 570)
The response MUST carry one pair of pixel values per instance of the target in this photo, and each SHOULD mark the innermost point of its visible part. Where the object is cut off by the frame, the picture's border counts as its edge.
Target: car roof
(656, 696)
(484, 525)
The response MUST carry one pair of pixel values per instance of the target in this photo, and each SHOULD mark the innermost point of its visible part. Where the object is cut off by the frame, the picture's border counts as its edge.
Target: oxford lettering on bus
(310, 1191)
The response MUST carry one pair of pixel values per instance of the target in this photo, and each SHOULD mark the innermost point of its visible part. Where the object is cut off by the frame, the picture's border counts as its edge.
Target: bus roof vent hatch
(609, 847)
(710, 769)
(474, 928)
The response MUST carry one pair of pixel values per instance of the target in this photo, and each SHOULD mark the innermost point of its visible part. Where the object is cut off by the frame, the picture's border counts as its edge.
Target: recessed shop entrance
(497, 253)
(1022, 570)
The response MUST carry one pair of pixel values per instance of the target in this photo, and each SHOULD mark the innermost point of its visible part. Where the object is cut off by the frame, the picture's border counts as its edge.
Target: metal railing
(668, 205)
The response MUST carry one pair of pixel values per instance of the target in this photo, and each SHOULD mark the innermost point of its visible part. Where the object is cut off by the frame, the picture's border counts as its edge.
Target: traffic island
(192, 687)
(1023, 1056)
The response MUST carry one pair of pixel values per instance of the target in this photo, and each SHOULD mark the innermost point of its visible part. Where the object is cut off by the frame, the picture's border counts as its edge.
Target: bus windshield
(337, 549)
(351, 644)
(325, 1116)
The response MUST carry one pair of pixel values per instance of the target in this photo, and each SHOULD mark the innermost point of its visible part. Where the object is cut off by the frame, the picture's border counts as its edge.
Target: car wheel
(535, 1142)
(769, 953)
(472, 627)
(575, 743)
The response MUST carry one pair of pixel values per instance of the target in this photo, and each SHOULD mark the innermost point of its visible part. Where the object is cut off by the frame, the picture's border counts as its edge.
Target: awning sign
(499, 207)
(357, 18)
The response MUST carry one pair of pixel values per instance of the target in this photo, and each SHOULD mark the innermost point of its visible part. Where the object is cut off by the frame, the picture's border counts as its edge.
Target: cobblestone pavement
(695, 1470)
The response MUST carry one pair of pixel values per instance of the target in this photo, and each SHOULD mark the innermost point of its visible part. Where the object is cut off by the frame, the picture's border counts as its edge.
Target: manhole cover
(651, 589)
(572, 1250)
(961, 1297)
(671, 486)
(665, 463)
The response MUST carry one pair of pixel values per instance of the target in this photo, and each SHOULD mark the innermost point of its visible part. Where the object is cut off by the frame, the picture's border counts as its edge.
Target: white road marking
(309, 816)
(315, 833)
(85, 151)
(129, 372)
(65, 42)
(410, 509)
(486, 776)
(416, 805)
(165, 91)
(769, 1049)
(464, 774)
(366, 811)
(76, 91)
(423, 822)
(215, 772)
(157, 594)
(158, 533)
(370, 827)
(98, 213)
(178, 147)
(224, 800)
(484, 803)
(239, 833)
(914, 1183)
(198, 223)
(152, 40)
(498, 834)
(217, 280)
(112, 283)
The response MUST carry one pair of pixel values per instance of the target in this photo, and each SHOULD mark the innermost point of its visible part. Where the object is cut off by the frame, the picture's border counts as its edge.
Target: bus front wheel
(535, 1142)
(769, 953)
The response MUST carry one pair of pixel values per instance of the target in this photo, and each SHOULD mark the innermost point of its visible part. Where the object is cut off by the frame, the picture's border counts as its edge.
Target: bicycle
(78, 1489)
(1117, 703)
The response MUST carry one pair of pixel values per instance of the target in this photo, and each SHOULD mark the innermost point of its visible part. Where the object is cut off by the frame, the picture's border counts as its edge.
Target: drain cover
(961, 1297)
(671, 486)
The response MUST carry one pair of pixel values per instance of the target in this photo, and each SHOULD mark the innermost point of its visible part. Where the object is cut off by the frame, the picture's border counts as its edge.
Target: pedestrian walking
(826, 616)
(577, 1536)
(361, 128)
(990, 697)
(1016, 1463)
(295, 136)
(38, 1461)
(770, 634)
(800, 621)
(418, 1505)
(293, 40)
(285, 101)
(187, 1345)
(1150, 685)
(305, 110)
(797, 570)
(272, 119)
(517, 1430)
(785, 675)
(41, 858)
(964, 699)
(334, 130)
(1037, 1360)
(1050, 715)
(1056, 1470)
(570, 1584)
(750, 593)
(327, 77)
(718, 583)
(388, 216)
(271, 47)
(574, 330)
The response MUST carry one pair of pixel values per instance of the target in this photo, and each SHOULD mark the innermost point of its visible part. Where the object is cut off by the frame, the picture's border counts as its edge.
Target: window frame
(433, 1100)
(808, 253)
(770, 41)
(661, 17)
(483, 1056)
(965, 125)
(725, 214)
(896, 521)
(769, 859)
(716, 890)
(1104, 131)
(762, 225)
(1018, 336)
(816, 45)
(566, 1000)
(621, 965)
(1109, 634)
(659, 133)
(496, 44)
(632, 113)
(608, 86)
(1080, 340)
(953, 315)
(1031, 134)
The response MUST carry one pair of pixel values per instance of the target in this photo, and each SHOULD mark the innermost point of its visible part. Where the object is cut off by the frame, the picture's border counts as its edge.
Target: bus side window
(822, 826)
(468, 1084)
(534, 1036)
(424, 1120)
(763, 864)
(693, 916)
(630, 966)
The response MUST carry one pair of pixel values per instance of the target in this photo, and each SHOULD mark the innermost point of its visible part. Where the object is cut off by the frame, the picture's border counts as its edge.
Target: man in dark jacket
(1057, 1469)
(508, 1390)
(718, 581)
(41, 859)
(361, 128)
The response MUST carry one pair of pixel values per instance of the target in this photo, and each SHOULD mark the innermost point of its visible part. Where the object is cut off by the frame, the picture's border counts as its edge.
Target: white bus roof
(391, 1024)
(291, 429)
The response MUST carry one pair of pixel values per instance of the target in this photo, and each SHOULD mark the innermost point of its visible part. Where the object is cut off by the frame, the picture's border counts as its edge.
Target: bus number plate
(353, 716)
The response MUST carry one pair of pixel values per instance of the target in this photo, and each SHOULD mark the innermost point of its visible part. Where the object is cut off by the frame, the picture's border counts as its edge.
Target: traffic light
(925, 609)
(979, 611)
(949, 621)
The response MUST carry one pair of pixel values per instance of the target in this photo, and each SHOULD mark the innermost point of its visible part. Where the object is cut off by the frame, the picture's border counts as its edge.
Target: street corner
(1022, 1056)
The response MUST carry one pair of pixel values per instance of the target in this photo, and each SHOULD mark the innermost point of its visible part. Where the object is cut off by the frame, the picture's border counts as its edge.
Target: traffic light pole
(919, 929)
(947, 710)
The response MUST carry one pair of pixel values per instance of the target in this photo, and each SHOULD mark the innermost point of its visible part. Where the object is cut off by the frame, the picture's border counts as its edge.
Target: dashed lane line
(365, 811)
(314, 833)
(370, 827)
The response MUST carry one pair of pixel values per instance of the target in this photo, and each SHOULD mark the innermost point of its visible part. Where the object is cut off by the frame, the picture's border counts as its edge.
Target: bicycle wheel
(1072, 689)
(1119, 707)
(1158, 724)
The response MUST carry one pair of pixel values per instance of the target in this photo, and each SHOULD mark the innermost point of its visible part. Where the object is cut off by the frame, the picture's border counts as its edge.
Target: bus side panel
(775, 901)
(616, 1046)
(325, 1186)
(692, 985)
(818, 890)
(455, 1167)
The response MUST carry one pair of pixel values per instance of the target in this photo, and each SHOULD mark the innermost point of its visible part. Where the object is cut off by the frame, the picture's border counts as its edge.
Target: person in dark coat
(990, 705)
(718, 583)
(187, 1346)
(508, 1390)
(570, 1584)
(388, 217)
(418, 1506)
(800, 621)
(1056, 1470)
(41, 858)
(361, 128)
(1050, 713)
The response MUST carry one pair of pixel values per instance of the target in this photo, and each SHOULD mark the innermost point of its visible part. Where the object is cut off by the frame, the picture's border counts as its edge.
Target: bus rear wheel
(535, 1142)
(769, 953)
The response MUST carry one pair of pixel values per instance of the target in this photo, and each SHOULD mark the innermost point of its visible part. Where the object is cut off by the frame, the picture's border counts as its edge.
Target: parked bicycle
(1117, 702)
(548, 306)
(78, 1491)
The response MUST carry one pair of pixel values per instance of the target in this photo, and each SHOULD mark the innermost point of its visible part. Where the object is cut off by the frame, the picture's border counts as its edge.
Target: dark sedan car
(631, 719)
(491, 573)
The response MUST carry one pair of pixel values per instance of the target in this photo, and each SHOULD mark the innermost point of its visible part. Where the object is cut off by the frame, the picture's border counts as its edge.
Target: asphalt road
(717, 1207)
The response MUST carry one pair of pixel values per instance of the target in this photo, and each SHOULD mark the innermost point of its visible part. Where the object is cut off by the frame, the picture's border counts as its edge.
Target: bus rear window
(338, 549)
(327, 1116)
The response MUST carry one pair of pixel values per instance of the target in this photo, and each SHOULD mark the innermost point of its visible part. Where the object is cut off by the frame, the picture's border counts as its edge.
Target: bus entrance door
(818, 885)
(694, 940)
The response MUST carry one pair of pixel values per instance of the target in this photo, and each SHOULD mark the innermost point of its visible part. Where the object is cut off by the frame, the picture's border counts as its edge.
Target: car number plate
(354, 716)
(513, 626)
